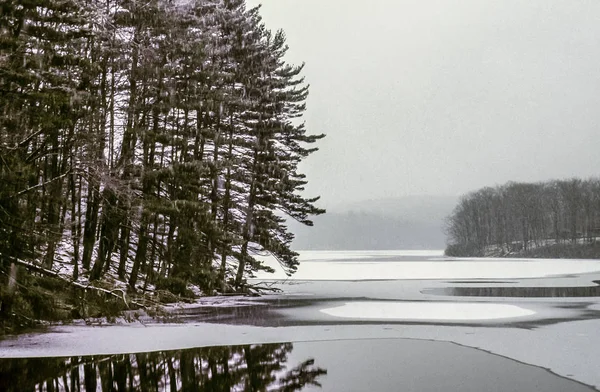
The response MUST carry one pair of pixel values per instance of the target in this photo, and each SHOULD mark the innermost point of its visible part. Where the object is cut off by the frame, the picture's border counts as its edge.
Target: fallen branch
(54, 274)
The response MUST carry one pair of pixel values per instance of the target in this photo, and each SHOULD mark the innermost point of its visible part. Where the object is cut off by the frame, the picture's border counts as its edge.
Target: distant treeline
(520, 217)
(153, 141)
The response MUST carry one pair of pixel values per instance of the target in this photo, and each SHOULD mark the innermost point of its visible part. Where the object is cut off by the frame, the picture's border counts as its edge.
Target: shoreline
(563, 251)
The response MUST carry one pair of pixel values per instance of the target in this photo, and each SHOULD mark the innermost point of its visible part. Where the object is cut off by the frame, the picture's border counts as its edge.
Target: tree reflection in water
(525, 292)
(230, 368)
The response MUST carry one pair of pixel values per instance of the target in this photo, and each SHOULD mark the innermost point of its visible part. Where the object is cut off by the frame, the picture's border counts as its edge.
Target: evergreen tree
(155, 142)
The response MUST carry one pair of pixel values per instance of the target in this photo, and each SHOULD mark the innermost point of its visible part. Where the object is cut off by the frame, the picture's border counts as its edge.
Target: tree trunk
(140, 255)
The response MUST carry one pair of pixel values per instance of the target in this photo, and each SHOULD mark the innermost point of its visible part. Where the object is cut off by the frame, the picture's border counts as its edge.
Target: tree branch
(39, 185)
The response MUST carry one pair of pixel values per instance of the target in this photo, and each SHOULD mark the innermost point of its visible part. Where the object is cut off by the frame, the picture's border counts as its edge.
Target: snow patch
(385, 310)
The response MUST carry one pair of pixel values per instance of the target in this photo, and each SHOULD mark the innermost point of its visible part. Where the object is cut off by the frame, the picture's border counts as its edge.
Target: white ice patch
(326, 255)
(441, 270)
(384, 310)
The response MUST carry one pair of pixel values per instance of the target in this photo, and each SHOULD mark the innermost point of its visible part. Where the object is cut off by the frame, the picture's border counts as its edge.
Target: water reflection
(561, 292)
(230, 368)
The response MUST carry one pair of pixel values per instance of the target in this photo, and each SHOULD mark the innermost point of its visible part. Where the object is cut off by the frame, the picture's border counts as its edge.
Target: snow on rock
(213, 302)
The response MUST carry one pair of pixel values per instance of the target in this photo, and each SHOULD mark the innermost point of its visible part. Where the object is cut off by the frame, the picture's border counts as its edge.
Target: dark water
(348, 365)
(248, 368)
(522, 292)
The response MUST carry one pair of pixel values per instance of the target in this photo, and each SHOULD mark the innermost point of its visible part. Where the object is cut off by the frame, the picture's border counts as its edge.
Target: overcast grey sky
(445, 96)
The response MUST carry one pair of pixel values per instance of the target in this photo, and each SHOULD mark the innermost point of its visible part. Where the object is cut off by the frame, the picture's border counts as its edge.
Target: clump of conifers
(150, 143)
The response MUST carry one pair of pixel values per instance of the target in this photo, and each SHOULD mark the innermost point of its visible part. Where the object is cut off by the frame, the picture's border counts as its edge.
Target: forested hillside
(522, 217)
(153, 143)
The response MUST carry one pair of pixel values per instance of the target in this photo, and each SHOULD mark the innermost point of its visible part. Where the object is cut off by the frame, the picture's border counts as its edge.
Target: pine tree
(157, 142)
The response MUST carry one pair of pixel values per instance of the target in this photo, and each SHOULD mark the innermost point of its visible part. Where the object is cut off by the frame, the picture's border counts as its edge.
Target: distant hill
(413, 222)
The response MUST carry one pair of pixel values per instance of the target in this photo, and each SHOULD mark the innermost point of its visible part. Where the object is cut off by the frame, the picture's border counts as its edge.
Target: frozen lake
(518, 320)
(340, 365)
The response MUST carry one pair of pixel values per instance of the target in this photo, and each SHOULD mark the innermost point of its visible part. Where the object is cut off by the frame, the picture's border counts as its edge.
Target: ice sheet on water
(423, 268)
(326, 255)
(419, 310)
(568, 349)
